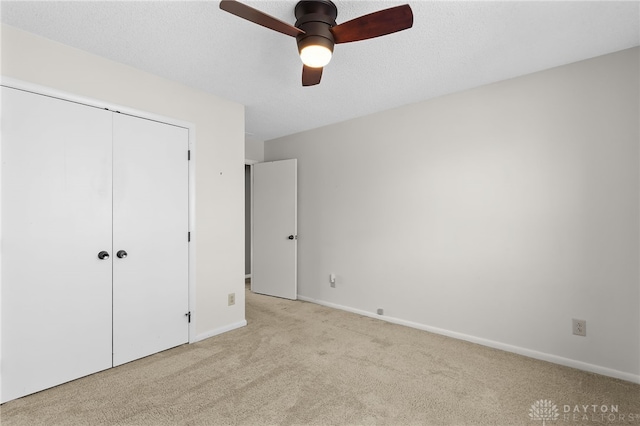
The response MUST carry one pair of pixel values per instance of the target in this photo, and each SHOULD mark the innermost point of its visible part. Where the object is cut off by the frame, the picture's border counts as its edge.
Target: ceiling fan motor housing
(315, 18)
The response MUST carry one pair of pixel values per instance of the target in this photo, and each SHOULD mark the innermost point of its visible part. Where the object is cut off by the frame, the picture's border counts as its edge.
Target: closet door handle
(121, 254)
(103, 255)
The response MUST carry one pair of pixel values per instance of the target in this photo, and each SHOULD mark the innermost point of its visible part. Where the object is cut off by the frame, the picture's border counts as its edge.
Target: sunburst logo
(544, 410)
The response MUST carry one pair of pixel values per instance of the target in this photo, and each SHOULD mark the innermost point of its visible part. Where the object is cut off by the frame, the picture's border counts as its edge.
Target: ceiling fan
(316, 30)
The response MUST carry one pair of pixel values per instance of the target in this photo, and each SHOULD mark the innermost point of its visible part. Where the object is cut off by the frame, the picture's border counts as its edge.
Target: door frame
(55, 93)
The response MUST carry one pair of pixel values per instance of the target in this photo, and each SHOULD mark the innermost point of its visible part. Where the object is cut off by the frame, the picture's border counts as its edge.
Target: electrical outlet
(579, 327)
(232, 299)
(332, 280)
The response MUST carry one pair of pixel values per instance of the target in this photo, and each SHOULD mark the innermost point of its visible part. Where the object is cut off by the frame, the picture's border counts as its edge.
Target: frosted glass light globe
(315, 56)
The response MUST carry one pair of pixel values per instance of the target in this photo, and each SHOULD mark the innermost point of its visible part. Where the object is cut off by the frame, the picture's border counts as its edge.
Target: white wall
(495, 215)
(219, 155)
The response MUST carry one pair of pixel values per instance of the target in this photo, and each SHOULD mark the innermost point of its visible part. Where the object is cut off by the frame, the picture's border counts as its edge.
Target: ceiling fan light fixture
(316, 30)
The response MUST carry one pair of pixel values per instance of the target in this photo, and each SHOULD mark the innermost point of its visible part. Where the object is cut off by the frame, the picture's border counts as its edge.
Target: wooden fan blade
(311, 76)
(375, 24)
(260, 18)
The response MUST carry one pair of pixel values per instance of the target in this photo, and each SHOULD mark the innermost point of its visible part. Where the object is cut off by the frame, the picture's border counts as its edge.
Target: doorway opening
(247, 224)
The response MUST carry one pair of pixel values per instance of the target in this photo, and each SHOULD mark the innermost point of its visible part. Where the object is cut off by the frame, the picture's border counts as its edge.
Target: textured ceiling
(452, 46)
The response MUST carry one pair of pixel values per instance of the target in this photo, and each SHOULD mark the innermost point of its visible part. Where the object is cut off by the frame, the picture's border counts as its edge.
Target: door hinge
(189, 155)
(188, 315)
(188, 236)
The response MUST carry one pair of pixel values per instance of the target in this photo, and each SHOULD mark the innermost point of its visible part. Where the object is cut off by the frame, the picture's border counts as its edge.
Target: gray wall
(253, 149)
(494, 215)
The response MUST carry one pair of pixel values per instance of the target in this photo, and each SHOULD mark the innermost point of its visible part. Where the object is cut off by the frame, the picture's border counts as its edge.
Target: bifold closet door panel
(150, 224)
(56, 218)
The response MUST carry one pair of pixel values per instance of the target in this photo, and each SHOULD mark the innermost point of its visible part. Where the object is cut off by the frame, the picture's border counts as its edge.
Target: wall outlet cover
(579, 327)
(232, 299)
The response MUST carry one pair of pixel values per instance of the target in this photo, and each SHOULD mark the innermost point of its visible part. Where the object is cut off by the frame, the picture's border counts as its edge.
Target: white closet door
(56, 218)
(150, 223)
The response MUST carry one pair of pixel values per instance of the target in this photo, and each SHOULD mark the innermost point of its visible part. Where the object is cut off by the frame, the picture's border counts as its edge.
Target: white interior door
(150, 223)
(275, 229)
(56, 218)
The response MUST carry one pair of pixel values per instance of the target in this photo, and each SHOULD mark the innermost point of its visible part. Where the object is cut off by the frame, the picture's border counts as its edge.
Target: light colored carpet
(298, 363)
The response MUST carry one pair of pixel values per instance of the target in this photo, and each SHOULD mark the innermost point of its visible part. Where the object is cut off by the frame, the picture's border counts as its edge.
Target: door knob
(103, 255)
(121, 254)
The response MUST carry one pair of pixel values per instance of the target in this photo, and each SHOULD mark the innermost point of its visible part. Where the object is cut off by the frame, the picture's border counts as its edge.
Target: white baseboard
(592, 368)
(220, 330)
